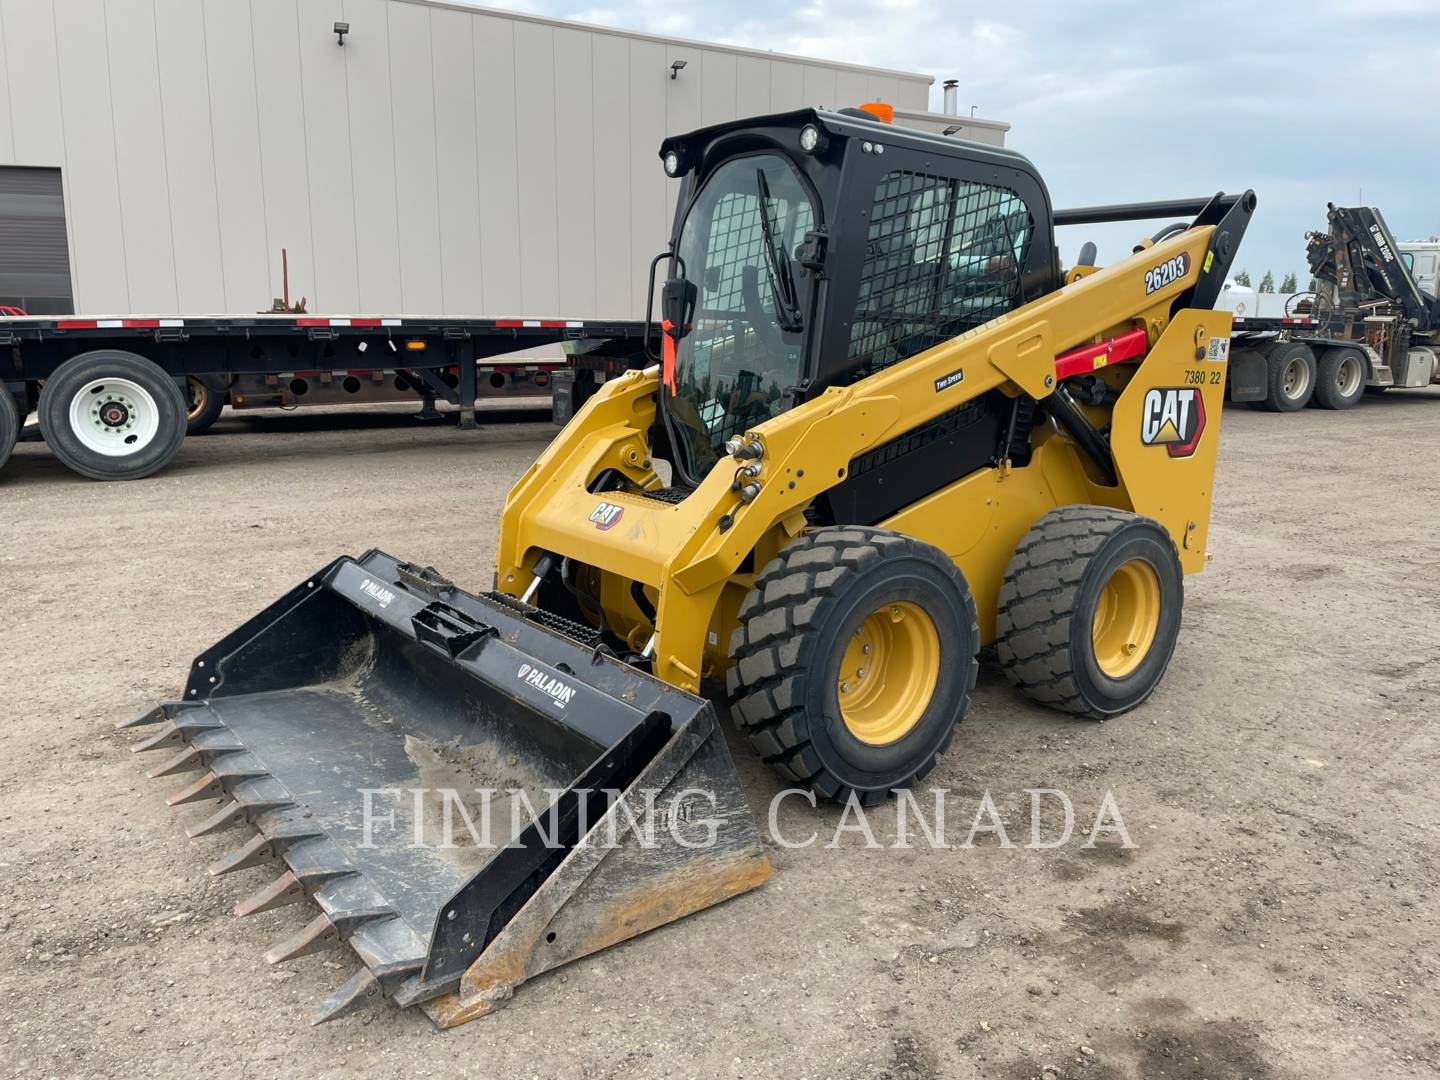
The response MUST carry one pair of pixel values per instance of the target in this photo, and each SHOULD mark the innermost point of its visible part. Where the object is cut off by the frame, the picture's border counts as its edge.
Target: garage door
(34, 258)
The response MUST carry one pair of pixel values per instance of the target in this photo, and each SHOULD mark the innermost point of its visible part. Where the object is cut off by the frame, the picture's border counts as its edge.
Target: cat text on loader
(892, 431)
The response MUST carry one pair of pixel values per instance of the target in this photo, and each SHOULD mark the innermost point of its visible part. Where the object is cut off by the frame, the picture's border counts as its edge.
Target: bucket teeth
(208, 787)
(286, 889)
(224, 818)
(358, 991)
(257, 850)
(319, 933)
(154, 716)
(187, 760)
(170, 736)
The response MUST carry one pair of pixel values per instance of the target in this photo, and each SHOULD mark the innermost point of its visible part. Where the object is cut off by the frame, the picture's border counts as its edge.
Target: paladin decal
(560, 693)
(1173, 417)
(382, 595)
(606, 516)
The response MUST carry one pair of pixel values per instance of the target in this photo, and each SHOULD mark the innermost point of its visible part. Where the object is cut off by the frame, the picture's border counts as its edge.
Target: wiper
(777, 265)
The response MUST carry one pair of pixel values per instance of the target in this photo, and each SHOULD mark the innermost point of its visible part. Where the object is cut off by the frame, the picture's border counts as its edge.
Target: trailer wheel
(854, 660)
(10, 421)
(112, 415)
(1340, 378)
(1090, 610)
(205, 400)
(1292, 376)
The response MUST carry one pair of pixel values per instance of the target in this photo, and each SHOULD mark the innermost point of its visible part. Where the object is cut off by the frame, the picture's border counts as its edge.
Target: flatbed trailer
(116, 395)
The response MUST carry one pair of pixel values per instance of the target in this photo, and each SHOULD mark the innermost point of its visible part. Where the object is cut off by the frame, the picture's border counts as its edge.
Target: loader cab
(813, 248)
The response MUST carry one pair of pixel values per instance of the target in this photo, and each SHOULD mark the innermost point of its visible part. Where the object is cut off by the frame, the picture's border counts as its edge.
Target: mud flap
(358, 723)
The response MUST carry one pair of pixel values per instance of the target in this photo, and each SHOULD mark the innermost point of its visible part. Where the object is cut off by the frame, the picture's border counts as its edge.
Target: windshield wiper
(777, 265)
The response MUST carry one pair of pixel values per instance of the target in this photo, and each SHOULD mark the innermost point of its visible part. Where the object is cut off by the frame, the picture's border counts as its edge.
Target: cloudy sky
(1115, 101)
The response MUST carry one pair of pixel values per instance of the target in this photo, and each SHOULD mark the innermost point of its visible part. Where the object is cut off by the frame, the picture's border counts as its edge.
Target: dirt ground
(1276, 920)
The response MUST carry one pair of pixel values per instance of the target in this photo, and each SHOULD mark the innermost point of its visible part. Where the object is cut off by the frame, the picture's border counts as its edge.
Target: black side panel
(934, 455)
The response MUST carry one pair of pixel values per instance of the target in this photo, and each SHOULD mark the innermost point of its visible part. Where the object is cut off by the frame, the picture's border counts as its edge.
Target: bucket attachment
(379, 731)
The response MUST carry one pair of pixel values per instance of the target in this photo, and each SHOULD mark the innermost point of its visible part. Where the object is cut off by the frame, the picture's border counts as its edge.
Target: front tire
(112, 415)
(854, 660)
(1291, 371)
(1089, 610)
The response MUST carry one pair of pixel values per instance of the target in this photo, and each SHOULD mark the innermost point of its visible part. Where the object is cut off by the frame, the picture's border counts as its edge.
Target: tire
(10, 421)
(205, 401)
(828, 599)
(142, 429)
(1291, 376)
(1340, 378)
(1074, 563)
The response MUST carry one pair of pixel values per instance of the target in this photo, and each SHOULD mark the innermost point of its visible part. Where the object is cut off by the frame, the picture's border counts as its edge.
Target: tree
(1267, 283)
(1288, 284)
(1243, 278)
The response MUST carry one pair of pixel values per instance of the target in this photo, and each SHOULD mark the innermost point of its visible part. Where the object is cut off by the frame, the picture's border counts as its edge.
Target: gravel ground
(1277, 918)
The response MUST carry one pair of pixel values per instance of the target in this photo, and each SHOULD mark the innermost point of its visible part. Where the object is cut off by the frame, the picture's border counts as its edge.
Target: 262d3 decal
(1167, 273)
(1173, 417)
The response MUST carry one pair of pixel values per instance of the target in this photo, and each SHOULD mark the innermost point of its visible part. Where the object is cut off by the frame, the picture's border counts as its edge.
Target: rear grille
(672, 495)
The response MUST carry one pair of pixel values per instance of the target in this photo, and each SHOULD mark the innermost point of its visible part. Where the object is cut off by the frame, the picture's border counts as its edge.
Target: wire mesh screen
(735, 243)
(943, 256)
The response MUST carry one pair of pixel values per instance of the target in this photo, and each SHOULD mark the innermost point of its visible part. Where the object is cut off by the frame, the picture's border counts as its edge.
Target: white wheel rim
(114, 417)
(1296, 379)
(1348, 378)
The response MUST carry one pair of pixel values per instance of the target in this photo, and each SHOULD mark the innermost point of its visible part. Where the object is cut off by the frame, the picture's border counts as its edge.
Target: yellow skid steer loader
(883, 428)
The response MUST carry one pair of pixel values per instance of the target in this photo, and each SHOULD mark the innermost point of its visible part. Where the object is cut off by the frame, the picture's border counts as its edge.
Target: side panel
(1165, 432)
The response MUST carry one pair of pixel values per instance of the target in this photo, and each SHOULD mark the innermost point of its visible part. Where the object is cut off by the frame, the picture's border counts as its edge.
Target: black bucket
(358, 724)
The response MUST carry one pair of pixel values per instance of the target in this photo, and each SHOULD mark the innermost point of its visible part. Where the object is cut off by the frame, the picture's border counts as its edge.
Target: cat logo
(606, 516)
(1173, 417)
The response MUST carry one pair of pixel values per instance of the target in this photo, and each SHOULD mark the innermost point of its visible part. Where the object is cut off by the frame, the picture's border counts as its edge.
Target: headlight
(810, 139)
(672, 163)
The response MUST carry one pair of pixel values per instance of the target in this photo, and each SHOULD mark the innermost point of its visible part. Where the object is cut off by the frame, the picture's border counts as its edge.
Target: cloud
(1117, 100)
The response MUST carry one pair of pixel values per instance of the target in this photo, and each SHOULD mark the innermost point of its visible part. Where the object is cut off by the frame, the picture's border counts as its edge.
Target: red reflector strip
(1090, 357)
(75, 324)
(361, 322)
(312, 322)
(508, 322)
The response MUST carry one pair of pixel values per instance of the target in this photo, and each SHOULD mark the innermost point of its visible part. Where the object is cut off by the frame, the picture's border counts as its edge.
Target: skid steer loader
(883, 429)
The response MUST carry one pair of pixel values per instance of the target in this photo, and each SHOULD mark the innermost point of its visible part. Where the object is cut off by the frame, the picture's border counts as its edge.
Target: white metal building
(157, 155)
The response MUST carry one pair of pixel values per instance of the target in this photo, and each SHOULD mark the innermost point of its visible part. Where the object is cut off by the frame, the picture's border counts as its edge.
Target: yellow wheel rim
(888, 674)
(1127, 615)
(199, 397)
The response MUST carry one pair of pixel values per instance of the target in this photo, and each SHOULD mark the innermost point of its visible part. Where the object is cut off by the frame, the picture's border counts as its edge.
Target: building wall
(446, 160)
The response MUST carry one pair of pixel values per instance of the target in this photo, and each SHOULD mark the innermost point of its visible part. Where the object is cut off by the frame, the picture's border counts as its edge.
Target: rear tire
(112, 415)
(1089, 610)
(205, 401)
(10, 421)
(1291, 377)
(836, 608)
(1340, 378)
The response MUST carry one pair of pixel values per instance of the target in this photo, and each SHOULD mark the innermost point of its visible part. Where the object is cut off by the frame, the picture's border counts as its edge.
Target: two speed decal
(1167, 273)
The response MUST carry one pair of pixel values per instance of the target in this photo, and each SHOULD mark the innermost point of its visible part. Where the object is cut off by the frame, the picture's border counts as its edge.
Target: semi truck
(115, 396)
(1370, 322)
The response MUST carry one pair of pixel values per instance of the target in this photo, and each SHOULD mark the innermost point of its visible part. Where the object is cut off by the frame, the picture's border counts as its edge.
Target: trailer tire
(205, 401)
(140, 430)
(1089, 610)
(833, 603)
(1340, 378)
(10, 421)
(1291, 376)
